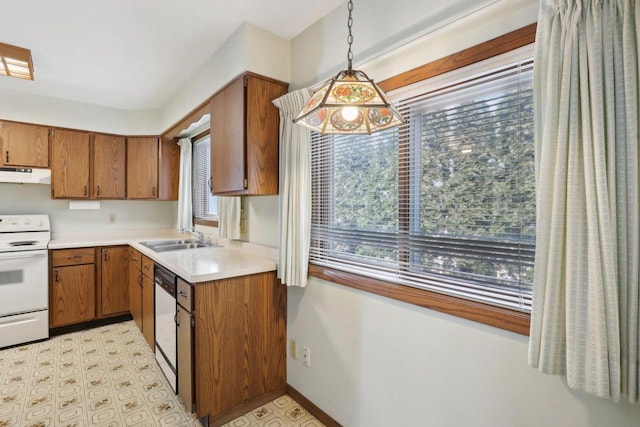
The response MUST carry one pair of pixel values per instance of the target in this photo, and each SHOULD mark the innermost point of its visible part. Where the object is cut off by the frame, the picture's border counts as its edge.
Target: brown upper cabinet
(24, 145)
(142, 167)
(108, 165)
(244, 137)
(69, 164)
(168, 176)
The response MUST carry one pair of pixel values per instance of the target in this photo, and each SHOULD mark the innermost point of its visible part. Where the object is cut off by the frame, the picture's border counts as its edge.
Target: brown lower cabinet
(87, 284)
(141, 294)
(73, 295)
(239, 351)
(135, 286)
(114, 279)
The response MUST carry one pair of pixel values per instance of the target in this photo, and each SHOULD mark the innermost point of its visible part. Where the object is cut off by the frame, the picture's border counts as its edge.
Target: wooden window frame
(502, 318)
(206, 222)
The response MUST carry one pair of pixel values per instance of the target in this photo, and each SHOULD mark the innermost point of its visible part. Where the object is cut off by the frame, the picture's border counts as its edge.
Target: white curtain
(229, 210)
(295, 191)
(585, 321)
(185, 194)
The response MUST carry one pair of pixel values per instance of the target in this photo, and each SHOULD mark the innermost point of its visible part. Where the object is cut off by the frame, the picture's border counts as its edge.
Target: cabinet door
(114, 286)
(168, 176)
(263, 128)
(148, 307)
(24, 145)
(185, 358)
(228, 160)
(142, 168)
(73, 296)
(135, 294)
(69, 164)
(108, 167)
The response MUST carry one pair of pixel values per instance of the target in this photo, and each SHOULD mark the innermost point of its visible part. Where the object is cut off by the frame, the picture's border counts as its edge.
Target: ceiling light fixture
(349, 103)
(15, 62)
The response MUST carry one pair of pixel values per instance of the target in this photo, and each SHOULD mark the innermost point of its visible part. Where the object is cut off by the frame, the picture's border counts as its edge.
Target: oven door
(24, 297)
(24, 282)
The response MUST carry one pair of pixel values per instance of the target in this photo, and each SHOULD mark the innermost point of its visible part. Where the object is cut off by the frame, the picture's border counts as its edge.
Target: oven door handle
(20, 255)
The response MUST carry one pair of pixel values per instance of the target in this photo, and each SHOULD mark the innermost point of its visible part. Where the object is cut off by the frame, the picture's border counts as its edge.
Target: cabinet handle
(210, 183)
(153, 191)
(140, 279)
(182, 294)
(86, 190)
(7, 157)
(56, 276)
(106, 255)
(74, 257)
(175, 317)
(98, 190)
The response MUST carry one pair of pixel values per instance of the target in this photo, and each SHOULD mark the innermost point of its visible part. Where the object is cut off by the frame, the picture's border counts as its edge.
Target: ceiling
(134, 54)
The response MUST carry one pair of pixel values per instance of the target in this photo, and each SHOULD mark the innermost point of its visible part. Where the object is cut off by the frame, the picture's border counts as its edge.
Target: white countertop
(100, 238)
(205, 264)
(193, 265)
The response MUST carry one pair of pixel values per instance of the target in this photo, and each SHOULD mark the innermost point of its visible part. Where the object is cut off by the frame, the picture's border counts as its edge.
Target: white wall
(130, 214)
(380, 362)
(24, 107)
(249, 49)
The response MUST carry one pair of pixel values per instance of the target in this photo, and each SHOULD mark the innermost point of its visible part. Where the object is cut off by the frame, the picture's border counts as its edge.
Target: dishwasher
(165, 318)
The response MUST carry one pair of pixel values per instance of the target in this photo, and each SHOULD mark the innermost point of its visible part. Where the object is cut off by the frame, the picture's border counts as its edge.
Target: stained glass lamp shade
(350, 102)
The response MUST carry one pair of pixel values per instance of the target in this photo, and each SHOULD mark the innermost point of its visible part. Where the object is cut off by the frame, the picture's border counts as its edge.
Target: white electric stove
(24, 278)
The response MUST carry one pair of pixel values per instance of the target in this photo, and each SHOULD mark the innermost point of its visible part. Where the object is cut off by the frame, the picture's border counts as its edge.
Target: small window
(205, 206)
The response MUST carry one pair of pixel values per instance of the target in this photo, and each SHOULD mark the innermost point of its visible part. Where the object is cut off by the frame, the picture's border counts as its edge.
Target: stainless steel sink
(176, 245)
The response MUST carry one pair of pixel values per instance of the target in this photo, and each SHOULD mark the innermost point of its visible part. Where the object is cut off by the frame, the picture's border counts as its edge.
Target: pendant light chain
(350, 102)
(350, 36)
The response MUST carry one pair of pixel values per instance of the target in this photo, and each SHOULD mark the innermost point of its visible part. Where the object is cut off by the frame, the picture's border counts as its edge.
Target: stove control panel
(22, 223)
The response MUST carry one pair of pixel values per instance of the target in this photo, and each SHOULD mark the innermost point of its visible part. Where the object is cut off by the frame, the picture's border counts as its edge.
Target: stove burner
(24, 243)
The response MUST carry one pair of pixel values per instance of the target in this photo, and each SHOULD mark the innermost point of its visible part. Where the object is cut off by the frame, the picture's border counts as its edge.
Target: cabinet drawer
(184, 294)
(62, 257)
(147, 267)
(135, 258)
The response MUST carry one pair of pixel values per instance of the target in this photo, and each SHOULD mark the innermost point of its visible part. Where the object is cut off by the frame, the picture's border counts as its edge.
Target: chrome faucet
(198, 234)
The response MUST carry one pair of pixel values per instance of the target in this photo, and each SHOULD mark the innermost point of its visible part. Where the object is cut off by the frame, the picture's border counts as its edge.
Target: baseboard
(88, 325)
(312, 408)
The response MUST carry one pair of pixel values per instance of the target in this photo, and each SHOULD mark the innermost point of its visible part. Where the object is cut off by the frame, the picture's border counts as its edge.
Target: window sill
(498, 317)
(206, 222)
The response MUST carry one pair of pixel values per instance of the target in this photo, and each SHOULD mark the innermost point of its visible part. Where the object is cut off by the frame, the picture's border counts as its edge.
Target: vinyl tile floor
(106, 377)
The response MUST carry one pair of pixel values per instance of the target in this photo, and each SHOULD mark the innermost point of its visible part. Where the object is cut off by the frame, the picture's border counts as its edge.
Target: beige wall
(380, 362)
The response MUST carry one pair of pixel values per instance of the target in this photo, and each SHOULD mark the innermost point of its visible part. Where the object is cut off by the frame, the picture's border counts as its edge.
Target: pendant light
(349, 103)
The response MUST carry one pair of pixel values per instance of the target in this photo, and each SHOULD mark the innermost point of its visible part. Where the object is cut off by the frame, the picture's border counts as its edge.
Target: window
(444, 203)
(205, 206)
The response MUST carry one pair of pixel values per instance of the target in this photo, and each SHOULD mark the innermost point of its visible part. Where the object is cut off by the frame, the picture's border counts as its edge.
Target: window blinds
(445, 202)
(204, 205)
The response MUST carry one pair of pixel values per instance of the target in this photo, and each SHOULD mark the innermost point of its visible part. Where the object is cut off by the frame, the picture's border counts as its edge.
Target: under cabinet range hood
(25, 175)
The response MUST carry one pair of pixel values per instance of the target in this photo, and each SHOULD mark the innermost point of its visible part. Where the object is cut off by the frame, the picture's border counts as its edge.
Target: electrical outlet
(306, 356)
(112, 218)
(293, 349)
